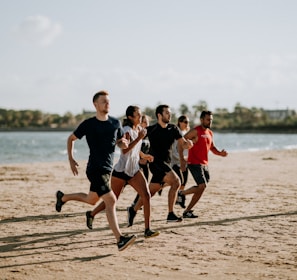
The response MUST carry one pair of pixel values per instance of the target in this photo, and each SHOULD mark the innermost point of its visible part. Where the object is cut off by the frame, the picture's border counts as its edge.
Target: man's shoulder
(152, 127)
(114, 119)
(172, 126)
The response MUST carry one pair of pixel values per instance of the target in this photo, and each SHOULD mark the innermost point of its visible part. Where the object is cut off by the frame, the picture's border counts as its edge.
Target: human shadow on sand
(48, 242)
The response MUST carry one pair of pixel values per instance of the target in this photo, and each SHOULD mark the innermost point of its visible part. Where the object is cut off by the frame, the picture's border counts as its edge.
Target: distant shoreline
(69, 129)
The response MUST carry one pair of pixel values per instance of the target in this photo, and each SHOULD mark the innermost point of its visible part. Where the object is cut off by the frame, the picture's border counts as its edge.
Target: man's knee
(109, 198)
(200, 188)
(175, 183)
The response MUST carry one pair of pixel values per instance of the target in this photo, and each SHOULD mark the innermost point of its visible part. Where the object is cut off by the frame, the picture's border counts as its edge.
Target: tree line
(240, 119)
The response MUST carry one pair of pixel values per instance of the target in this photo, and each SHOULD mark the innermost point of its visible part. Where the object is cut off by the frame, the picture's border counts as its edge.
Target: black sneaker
(173, 218)
(181, 199)
(189, 215)
(126, 241)
(131, 215)
(59, 202)
(90, 219)
(149, 233)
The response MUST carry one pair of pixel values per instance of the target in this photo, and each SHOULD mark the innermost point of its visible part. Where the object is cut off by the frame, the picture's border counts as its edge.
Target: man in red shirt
(202, 138)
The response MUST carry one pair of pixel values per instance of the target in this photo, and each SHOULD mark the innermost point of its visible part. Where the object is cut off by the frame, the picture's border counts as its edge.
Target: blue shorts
(200, 173)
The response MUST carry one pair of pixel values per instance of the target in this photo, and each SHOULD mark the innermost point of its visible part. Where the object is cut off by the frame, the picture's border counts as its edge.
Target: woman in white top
(127, 170)
(183, 125)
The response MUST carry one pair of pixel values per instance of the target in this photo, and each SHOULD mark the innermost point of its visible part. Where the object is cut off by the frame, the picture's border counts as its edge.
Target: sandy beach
(247, 225)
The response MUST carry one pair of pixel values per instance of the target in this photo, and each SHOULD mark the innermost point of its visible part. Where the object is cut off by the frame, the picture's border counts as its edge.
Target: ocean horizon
(33, 147)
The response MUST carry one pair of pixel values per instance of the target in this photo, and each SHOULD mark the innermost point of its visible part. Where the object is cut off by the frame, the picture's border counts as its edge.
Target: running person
(183, 125)
(127, 169)
(103, 133)
(145, 147)
(202, 137)
(161, 136)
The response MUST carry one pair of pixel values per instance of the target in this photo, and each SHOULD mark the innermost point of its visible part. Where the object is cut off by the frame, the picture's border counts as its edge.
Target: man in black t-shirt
(102, 133)
(161, 136)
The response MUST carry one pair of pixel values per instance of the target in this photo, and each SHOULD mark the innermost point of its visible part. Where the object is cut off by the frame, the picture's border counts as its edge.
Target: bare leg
(110, 210)
(153, 188)
(197, 192)
(116, 186)
(173, 181)
(90, 198)
(139, 183)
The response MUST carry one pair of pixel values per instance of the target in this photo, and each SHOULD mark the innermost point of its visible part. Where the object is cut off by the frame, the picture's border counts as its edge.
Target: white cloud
(38, 30)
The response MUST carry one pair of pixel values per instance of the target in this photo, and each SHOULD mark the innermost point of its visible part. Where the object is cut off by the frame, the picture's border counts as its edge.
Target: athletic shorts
(183, 176)
(100, 181)
(121, 175)
(159, 170)
(200, 173)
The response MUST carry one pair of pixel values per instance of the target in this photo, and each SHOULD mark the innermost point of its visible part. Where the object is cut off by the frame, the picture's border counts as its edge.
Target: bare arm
(70, 146)
(147, 157)
(141, 135)
(185, 142)
(215, 150)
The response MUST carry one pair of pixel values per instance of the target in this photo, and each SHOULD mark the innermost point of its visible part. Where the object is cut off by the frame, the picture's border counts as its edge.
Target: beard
(165, 120)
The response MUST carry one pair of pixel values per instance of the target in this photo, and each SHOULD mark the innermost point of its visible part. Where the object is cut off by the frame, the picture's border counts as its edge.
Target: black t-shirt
(101, 137)
(161, 140)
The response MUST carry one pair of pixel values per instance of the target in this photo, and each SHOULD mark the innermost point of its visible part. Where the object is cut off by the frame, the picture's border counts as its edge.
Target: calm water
(24, 147)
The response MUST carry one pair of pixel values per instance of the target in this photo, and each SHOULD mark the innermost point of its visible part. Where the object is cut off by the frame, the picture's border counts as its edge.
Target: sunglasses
(186, 122)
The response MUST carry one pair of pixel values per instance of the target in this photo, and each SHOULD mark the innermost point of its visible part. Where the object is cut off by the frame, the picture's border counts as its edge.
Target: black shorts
(121, 175)
(200, 173)
(100, 181)
(183, 176)
(159, 170)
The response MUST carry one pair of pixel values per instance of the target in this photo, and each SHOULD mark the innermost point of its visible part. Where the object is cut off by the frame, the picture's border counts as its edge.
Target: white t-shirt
(175, 155)
(129, 162)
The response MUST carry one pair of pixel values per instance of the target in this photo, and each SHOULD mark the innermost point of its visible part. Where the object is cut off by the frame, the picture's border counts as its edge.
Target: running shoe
(189, 215)
(126, 241)
(181, 199)
(173, 218)
(149, 233)
(131, 215)
(89, 219)
(59, 202)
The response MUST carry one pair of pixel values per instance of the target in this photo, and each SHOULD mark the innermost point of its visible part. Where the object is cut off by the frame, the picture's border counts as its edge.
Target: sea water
(26, 147)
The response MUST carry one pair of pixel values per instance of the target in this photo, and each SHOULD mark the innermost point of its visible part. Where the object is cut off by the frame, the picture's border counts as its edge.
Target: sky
(55, 55)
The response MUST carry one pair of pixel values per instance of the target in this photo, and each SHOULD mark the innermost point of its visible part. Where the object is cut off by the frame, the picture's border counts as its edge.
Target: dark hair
(204, 113)
(96, 95)
(180, 119)
(159, 109)
(129, 113)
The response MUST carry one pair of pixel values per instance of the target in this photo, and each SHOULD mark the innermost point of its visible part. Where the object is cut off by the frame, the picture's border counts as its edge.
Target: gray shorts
(200, 173)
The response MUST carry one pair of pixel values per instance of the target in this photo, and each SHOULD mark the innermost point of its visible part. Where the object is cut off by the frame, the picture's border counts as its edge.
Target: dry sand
(247, 226)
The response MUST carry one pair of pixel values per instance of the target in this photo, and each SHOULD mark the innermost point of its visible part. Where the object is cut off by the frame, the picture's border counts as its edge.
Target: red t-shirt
(198, 154)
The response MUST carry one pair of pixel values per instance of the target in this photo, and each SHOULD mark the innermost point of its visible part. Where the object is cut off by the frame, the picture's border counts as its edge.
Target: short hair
(159, 109)
(204, 113)
(96, 95)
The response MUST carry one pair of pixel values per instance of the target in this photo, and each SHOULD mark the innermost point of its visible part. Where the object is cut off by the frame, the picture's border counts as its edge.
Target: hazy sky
(54, 55)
